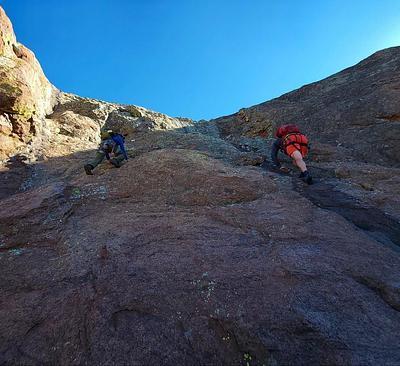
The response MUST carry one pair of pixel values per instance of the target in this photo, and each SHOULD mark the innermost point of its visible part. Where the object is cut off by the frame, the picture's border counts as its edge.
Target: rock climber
(112, 148)
(294, 144)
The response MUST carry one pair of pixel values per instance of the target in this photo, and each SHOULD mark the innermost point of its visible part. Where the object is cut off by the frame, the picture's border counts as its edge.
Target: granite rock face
(195, 252)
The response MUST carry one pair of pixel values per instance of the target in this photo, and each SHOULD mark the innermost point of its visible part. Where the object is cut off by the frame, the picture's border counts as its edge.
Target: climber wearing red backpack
(294, 144)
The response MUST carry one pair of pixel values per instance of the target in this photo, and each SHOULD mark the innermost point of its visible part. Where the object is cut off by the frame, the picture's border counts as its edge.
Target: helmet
(106, 133)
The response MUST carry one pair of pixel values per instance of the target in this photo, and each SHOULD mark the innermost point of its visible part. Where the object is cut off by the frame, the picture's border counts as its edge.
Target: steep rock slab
(180, 258)
(183, 256)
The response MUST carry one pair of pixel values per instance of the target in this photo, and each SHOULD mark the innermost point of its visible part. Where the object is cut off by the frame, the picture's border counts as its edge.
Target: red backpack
(286, 130)
(292, 139)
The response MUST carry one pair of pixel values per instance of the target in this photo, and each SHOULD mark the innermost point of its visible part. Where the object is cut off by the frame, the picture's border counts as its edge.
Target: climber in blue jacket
(112, 148)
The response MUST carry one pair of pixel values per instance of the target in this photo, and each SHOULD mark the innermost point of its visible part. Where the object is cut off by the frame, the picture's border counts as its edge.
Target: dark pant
(100, 155)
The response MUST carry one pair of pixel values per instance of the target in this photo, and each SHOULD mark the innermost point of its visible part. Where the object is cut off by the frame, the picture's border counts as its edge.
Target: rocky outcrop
(357, 109)
(26, 95)
(127, 119)
(195, 252)
(75, 123)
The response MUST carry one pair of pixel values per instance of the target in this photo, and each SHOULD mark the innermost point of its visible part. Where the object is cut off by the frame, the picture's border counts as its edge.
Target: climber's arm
(123, 150)
(120, 141)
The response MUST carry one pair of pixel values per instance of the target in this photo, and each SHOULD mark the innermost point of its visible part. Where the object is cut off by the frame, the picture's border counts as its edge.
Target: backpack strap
(290, 142)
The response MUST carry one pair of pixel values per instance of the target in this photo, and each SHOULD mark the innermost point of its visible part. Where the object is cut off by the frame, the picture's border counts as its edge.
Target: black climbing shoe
(115, 162)
(88, 169)
(306, 177)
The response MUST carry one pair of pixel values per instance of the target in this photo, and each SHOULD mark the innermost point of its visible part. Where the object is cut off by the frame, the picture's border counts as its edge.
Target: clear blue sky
(199, 58)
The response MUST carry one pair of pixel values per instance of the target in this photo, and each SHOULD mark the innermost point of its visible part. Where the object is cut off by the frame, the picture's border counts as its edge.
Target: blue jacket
(118, 141)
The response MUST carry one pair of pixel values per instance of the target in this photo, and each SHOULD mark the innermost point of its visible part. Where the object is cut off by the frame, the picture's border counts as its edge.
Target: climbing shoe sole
(88, 169)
